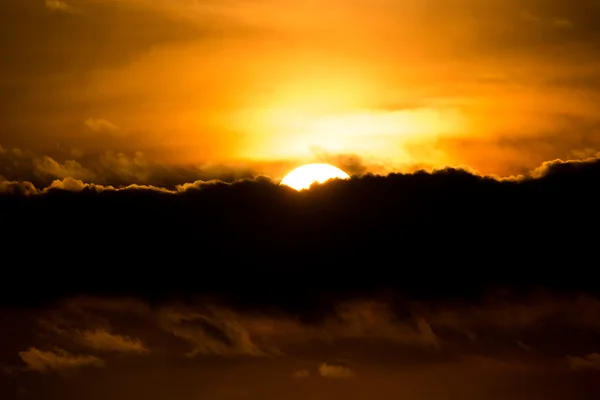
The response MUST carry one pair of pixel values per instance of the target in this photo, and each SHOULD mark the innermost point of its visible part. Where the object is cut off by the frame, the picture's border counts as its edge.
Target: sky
(149, 250)
(115, 91)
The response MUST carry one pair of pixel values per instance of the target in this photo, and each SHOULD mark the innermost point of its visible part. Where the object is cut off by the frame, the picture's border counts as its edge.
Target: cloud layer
(58, 360)
(375, 342)
(241, 234)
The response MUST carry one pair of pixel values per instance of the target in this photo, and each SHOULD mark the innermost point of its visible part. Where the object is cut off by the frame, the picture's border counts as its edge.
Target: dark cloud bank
(444, 233)
(443, 285)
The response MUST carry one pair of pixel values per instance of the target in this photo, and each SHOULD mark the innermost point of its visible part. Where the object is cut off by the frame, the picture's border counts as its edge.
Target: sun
(304, 176)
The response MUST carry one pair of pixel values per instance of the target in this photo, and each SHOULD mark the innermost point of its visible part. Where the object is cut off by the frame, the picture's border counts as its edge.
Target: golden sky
(165, 95)
(497, 85)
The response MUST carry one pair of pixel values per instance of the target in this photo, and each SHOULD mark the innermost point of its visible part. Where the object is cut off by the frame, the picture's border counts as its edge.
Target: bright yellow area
(283, 133)
(263, 83)
(303, 177)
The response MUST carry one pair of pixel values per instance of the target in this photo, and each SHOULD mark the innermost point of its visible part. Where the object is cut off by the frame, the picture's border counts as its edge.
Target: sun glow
(303, 177)
(288, 133)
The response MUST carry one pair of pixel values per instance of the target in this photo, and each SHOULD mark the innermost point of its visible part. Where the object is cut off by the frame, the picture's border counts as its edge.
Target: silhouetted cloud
(482, 331)
(103, 340)
(335, 371)
(224, 336)
(57, 360)
(368, 231)
(362, 336)
(110, 167)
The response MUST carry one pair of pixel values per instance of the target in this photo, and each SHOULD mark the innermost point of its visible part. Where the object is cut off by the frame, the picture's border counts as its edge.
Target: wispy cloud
(57, 360)
(220, 334)
(335, 371)
(103, 340)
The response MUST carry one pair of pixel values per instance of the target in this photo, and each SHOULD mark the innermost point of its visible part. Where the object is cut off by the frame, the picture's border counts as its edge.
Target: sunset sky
(151, 251)
(98, 87)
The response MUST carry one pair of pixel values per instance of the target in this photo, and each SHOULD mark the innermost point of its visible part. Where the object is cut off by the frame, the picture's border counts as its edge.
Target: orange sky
(499, 86)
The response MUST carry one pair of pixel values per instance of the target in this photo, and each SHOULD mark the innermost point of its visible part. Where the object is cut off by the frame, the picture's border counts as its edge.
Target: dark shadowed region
(427, 233)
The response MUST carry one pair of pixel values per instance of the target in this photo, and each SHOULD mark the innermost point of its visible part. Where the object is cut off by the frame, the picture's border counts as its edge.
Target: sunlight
(303, 177)
(290, 133)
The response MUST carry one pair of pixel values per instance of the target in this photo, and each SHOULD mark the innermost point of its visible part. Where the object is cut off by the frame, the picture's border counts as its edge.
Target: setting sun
(303, 177)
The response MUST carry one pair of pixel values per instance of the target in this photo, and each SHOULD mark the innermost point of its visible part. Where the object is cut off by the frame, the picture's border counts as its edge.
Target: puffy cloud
(101, 339)
(126, 168)
(335, 371)
(17, 188)
(57, 360)
(384, 332)
(375, 320)
(78, 324)
(129, 168)
(121, 168)
(70, 169)
(109, 168)
(223, 332)
(330, 355)
(219, 334)
(217, 330)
